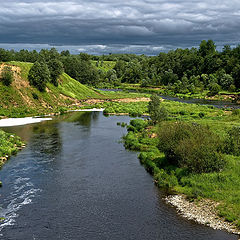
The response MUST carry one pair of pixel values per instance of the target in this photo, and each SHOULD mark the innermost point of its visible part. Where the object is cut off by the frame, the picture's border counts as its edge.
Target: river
(75, 180)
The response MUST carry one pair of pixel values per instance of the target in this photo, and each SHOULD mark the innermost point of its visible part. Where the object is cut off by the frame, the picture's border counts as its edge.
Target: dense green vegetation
(196, 71)
(9, 145)
(193, 152)
(7, 76)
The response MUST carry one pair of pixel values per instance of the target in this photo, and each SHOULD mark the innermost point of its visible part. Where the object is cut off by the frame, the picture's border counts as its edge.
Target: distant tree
(133, 73)
(85, 57)
(5, 55)
(56, 69)
(7, 76)
(214, 89)
(206, 48)
(224, 80)
(120, 68)
(236, 75)
(65, 53)
(39, 75)
(156, 111)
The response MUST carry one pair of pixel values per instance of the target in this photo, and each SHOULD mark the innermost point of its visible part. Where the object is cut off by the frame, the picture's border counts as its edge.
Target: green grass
(73, 89)
(25, 67)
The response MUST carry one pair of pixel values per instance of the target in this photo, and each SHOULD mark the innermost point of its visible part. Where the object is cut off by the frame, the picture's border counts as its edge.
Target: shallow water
(74, 180)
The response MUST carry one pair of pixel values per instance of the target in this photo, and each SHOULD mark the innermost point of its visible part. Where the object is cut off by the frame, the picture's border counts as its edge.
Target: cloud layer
(102, 26)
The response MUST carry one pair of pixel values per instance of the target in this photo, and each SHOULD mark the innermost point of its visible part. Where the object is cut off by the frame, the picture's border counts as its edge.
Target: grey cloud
(130, 25)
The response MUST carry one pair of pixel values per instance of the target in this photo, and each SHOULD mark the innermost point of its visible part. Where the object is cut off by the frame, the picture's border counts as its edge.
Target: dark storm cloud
(103, 26)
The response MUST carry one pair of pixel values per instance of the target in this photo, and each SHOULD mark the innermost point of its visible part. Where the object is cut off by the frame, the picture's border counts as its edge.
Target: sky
(111, 26)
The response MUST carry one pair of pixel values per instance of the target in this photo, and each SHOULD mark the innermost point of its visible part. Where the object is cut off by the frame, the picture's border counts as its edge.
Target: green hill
(22, 99)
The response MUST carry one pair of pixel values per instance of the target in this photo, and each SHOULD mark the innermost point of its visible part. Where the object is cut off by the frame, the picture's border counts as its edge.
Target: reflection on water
(75, 181)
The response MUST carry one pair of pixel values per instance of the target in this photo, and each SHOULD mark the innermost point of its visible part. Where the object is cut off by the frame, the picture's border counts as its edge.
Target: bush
(214, 89)
(236, 112)
(233, 141)
(191, 146)
(138, 124)
(157, 112)
(7, 76)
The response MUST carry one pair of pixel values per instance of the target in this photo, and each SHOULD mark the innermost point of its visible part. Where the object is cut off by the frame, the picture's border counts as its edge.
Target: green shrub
(7, 76)
(214, 89)
(233, 141)
(191, 146)
(236, 112)
(138, 124)
(131, 142)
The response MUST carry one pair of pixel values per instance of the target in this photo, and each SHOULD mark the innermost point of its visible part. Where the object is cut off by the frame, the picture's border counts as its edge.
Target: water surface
(76, 181)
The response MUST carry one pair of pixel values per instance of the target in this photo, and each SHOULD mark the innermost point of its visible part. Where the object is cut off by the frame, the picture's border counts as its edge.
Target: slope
(21, 99)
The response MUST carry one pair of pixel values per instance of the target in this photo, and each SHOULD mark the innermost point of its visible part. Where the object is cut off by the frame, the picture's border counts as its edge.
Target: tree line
(180, 70)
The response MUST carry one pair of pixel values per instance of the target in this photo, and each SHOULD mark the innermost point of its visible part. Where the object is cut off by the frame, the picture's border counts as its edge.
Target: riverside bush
(7, 76)
(137, 124)
(8, 144)
(233, 141)
(191, 146)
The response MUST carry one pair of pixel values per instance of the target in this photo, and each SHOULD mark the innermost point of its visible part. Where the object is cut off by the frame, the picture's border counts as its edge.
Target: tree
(207, 47)
(214, 89)
(39, 75)
(156, 111)
(56, 69)
(7, 76)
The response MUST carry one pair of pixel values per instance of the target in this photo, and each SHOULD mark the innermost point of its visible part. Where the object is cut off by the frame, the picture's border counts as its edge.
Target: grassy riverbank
(222, 186)
(9, 145)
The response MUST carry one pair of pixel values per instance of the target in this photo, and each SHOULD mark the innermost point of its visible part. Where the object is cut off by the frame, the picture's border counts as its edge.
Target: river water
(75, 180)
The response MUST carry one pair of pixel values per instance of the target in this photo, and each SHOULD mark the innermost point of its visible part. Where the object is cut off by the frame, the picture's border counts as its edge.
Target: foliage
(137, 125)
(39, 75)
(192, 146)
(233, 141)
(9, 144)
(156, 111)
(7, 75)
(214, 88)
(55, 67)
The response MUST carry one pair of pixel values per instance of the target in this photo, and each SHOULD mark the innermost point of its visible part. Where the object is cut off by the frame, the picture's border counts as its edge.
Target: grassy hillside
(22, 99)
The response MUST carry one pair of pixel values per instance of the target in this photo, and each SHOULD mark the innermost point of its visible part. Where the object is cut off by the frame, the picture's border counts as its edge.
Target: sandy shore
(202, 211)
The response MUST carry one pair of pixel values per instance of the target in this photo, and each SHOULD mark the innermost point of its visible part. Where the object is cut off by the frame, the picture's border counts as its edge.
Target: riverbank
(9, 145)
(219, 187)
(203, 211)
